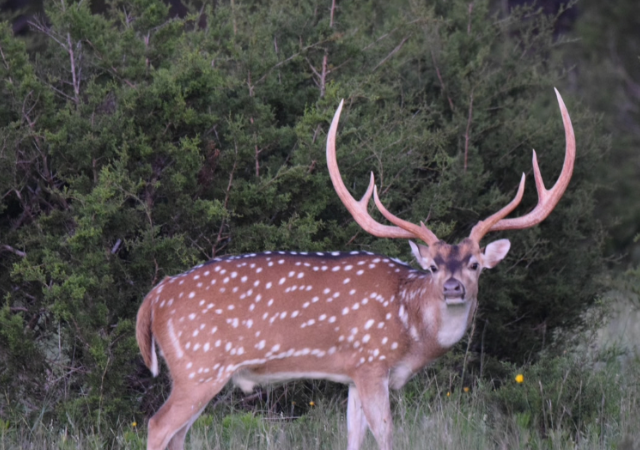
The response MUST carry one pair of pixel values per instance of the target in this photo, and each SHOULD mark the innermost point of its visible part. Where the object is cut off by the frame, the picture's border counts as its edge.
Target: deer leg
(356, 421)
(177, 441)
(374, 397)
(170, 424)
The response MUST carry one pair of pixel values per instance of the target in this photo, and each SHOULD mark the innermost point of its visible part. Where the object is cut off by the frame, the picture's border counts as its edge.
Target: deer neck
(433, 325)
(454, 322)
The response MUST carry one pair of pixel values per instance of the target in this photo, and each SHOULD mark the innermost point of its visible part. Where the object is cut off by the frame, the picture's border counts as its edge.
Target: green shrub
(135, 146)
(568, 393)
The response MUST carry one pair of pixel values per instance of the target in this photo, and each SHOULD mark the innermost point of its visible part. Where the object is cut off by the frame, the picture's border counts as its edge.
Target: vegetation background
(140, 138)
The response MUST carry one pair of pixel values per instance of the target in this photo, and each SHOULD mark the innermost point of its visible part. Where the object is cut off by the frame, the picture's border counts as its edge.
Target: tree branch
(14, 251)
(467, 135)
(333, 9)
(323, 78)
(226, 201)
(393, 52)
(444, 87)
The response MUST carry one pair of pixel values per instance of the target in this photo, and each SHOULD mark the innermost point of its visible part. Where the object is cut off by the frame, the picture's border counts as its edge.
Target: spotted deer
(357, 318)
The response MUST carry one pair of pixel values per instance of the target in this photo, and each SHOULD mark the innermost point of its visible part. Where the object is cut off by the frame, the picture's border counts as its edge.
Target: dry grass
(472, 420)
(589, 401)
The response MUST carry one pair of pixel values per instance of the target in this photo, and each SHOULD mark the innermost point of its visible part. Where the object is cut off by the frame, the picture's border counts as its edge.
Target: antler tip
(521, 186)
(563, 107)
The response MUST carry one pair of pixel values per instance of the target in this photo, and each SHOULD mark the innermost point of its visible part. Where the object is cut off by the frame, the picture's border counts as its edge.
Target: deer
(358, 318)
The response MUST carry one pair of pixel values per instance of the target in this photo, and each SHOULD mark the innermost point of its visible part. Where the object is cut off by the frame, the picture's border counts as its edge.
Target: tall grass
(572, 402)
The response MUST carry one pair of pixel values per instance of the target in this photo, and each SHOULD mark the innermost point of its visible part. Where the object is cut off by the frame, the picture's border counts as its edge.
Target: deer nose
(453, 288)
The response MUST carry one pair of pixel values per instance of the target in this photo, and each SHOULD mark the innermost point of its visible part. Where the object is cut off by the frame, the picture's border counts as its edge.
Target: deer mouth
(454, 301)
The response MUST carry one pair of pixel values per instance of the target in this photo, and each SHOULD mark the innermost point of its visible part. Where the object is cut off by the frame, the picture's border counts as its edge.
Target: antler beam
(358, 209)
(547, 199)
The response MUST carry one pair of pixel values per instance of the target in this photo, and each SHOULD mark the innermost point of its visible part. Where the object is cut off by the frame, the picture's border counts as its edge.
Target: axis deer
(357, 318)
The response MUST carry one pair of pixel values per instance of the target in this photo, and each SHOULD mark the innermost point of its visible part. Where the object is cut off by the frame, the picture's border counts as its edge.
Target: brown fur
(354, 318)
(143, 331)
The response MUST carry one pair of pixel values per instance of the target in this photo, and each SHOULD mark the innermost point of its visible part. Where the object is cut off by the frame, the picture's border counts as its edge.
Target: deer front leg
(373, 392)
(356, 421)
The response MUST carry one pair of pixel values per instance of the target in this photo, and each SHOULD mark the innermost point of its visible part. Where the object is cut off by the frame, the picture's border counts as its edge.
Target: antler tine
(421, 232)
(358, 209)
(484, 226)
(547, 199)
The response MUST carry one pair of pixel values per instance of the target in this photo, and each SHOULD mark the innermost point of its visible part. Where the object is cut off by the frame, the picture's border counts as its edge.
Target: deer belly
(247, 379)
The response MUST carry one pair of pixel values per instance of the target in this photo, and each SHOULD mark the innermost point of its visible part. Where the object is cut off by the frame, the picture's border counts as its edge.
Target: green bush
(135, 146)
(569, 393)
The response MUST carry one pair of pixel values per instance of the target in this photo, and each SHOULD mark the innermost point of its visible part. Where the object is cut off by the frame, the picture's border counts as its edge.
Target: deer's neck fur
(432, 326)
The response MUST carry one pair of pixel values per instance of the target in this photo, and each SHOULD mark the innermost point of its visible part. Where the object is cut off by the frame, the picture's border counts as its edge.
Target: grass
(586, 400)
(572, 402)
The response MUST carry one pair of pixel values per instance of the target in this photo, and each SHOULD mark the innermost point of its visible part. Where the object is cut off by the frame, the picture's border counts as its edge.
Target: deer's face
(455, 269)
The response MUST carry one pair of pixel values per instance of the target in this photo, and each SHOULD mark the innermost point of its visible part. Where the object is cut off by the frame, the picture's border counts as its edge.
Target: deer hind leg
(170, 424)
(373, 393)
(356, 421)
(177, 441)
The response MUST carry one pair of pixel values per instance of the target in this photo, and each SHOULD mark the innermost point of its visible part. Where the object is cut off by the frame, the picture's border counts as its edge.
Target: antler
(547, 199)
(358, 209)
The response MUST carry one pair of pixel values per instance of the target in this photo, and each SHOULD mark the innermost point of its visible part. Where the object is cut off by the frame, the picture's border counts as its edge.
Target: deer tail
(144, 336)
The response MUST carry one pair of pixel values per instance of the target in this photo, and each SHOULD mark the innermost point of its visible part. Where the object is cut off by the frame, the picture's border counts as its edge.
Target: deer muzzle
(453, 292)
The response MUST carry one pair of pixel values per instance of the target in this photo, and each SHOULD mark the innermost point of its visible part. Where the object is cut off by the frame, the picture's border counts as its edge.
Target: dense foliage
(606, 53)
(134, 146)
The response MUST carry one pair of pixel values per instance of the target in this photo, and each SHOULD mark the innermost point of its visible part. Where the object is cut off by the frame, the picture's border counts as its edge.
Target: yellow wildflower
(466, 388)
(448, 394)
(134, 424)
(312, 404)
(519, 378)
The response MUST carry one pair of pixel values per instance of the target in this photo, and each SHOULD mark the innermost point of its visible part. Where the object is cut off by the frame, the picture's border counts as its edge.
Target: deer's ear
(422, 254)
(495, 252)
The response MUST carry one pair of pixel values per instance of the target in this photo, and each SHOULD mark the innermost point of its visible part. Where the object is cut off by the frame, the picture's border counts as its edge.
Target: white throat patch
(453, 323)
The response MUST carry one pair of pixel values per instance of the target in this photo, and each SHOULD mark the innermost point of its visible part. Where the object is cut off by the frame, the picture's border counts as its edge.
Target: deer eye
(474, 266)
(433, 269)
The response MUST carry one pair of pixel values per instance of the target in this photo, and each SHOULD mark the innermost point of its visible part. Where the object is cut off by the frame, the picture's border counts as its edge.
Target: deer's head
(455, 268)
